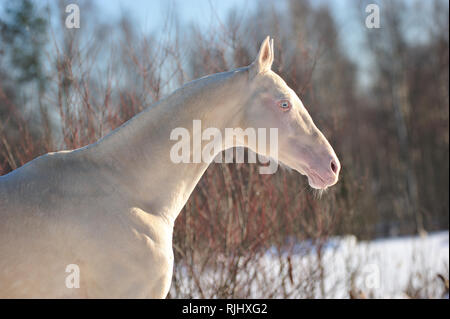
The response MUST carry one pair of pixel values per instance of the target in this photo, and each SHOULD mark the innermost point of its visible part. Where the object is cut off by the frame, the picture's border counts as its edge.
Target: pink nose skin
(327, 176)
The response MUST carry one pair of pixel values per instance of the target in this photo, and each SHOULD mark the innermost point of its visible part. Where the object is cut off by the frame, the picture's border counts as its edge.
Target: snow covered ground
(401, 267)
(387, 268)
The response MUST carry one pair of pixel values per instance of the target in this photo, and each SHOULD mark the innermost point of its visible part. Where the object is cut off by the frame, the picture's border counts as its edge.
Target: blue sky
(150, 14)
(149, 17)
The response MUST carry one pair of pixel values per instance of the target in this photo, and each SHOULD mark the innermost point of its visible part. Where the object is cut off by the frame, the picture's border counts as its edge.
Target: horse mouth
(314, 179)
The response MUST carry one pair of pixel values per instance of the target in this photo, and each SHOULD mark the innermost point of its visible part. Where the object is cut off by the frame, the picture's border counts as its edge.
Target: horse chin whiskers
(319, 192)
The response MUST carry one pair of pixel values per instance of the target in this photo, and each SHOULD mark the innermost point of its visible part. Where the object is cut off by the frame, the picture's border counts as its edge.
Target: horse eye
(285, 105)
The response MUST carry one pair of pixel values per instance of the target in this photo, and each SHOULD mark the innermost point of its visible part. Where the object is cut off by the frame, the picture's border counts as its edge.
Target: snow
(386, 268)
(401, 267)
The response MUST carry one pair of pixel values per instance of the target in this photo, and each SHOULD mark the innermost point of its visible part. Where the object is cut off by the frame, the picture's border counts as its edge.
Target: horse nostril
(333, 166)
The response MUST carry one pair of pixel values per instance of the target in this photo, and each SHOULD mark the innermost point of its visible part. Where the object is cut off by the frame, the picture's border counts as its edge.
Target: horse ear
(264, 59)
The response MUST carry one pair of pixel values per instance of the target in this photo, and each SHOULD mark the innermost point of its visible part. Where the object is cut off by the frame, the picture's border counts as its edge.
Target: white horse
(109, 208)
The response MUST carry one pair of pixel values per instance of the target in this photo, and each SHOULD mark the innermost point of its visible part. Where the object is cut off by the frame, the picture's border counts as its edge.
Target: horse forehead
(275, 82)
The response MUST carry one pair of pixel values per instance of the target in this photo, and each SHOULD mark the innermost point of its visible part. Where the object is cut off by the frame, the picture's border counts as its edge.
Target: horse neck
(138, 153)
